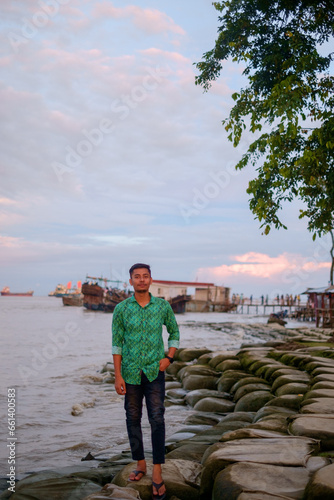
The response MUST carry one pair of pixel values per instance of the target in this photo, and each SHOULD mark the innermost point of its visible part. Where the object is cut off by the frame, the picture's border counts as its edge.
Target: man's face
(141, 280)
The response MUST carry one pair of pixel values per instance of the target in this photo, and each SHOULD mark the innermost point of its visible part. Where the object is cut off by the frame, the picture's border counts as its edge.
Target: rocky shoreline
(261, 428)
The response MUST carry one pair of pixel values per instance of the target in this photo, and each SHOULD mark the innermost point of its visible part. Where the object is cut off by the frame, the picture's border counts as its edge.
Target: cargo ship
(7, 293)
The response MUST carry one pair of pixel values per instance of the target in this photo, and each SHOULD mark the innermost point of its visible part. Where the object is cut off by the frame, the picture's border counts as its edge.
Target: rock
(316, 463)
(288, 453)
(228, 379)
(247, 388)
(299, 377)
(193, 397)
(272, 410)
(192, 382)
(292, 401)
(173, 385)
(245, 416)
(218, 357)
(191, 354)
(203, 418)
(114, 492)
(323, 385)
(247, 380)
(228, 364)
(181, 478)
(319, 393)
(321, 485)
(247, 433)
(292, 388)
(174, 368)
(319, 427)
(253, 401)
(177, 393)
(189, 451)
(320, 405)
(322, 369)
(53, 486)
(246, 481)
(214, 405)
(276, 422)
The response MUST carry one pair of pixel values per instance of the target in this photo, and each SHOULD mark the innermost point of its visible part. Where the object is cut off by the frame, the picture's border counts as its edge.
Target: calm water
(53, 355)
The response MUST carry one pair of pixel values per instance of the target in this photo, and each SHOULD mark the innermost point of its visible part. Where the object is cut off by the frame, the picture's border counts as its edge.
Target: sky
(111, 155)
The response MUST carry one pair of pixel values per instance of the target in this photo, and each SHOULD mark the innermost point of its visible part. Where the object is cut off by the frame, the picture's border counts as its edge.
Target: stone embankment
(260, 427)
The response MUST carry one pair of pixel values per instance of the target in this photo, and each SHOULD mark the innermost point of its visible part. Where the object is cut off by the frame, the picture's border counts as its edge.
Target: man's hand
(120, 385)
(163, 364)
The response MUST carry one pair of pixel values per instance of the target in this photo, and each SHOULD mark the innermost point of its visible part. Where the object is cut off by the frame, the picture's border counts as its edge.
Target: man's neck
(142, 298)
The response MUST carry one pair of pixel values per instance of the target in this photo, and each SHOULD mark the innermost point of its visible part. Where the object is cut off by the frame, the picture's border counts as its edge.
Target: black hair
(139, 266)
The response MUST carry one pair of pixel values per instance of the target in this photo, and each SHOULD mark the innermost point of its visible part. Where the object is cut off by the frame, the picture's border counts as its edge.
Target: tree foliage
(288, 102)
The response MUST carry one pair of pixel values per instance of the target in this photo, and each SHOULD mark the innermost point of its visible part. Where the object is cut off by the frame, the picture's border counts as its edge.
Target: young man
(140, 364)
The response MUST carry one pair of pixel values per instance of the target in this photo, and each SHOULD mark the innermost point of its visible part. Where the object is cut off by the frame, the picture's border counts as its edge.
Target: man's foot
(158, 485)
(139, 472)
(159, 491)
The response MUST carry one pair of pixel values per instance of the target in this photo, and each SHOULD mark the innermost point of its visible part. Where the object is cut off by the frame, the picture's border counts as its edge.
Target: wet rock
(228, 379)
(177, 393)
(320, 405)
(289, 453)
(319, 427)
(321, 485)
(197, 370)
(191, 354)
(181, 479)
(189, 451)
(277, 422)
(319, 393)
(292, 388)
(214, 405)
(265, 411)
(247, 433)
(247, 388)
(174, 368)
(173, 385)
(299, 377)
(192, 382)
(192, 397)
(244, 416)
(114, 492)
(229, 364)
(253, 401)
(53, 486)
(203, 418)
(222, 356)
(246, 481)
(247, 380)
(292, 401)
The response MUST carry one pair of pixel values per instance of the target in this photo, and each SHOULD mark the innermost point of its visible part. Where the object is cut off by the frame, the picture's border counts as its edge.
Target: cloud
(151, 21)
(259, 265)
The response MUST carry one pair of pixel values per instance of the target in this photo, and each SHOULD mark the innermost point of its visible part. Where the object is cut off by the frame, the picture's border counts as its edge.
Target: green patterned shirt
(137, 336)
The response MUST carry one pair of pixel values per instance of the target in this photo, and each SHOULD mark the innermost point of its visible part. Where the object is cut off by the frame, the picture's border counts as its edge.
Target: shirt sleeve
(172, 328)
(117, 331)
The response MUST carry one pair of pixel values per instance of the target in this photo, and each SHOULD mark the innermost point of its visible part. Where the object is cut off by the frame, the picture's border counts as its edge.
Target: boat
(66, 290)
(7, 293)
(73, 299)
(102, 298)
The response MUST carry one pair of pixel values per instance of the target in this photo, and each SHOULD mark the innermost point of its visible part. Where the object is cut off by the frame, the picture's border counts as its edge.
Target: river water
(52, 356)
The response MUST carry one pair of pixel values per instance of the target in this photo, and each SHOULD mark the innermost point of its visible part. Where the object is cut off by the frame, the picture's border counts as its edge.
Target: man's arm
(173, 339)
(119, 381)
(117, 346)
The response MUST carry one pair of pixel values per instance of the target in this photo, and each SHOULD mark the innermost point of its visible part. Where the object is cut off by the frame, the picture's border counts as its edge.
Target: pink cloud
(258, 265)
(151, 21)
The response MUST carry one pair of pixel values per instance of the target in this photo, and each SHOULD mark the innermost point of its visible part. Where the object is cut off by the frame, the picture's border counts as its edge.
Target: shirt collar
(152, 299)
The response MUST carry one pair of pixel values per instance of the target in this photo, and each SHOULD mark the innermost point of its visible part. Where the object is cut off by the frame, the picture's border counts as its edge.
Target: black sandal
(156, 496)
(136, 473)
